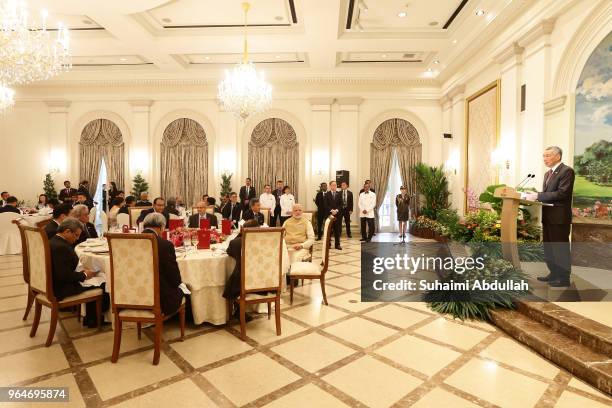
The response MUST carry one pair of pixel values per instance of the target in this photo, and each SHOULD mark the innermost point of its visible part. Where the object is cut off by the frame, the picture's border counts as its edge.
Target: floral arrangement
(599, 210)
(472, 199)
(180, 235)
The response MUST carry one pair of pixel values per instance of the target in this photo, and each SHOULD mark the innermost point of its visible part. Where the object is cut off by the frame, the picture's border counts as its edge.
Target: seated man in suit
(81, 213)
(130, 201)
(299, 235)
(3, 196)
(11, 206)
(83, 199)
(232, 210)
(254, 212)
(159, 206)
(204, 212)
(64, 261)
(144, 200)
(170, 295)
(60, 213)
(234, 249)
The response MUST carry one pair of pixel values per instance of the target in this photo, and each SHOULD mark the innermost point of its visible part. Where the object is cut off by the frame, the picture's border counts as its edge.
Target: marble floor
(345, 354)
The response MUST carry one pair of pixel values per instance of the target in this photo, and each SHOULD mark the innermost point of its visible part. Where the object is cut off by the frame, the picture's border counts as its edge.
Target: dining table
(204, 272)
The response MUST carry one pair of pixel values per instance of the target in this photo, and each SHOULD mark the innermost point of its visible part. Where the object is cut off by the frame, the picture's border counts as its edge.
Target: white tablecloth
(204, 271)
(34, 219)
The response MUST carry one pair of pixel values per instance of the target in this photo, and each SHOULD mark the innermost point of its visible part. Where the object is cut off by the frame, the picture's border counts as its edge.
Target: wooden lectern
(511, 199)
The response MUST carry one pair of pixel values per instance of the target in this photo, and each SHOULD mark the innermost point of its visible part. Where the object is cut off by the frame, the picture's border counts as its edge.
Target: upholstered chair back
(38, 252)
(266, 214)
(24, 254)
(261, 258)
(123, 219)
(134, 270)
(134, 214)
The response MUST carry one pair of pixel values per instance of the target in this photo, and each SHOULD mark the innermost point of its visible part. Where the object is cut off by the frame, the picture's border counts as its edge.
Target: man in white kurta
(299, 235)
(367, 203)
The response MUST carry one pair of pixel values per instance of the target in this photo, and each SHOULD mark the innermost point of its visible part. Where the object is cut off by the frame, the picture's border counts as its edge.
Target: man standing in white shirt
(367, 202)
(267, 199)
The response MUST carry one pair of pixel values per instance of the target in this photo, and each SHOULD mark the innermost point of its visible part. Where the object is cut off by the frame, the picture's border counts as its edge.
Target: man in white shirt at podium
(557, 190)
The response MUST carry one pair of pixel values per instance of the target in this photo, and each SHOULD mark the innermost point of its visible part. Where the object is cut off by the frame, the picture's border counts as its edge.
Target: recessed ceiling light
(436, 61)
(454, 41)
(166, 20)
(207, 58)
(384, 55)
(278, 57)
(480, 12)
(278, 18)
(402, 14)
(123, 59)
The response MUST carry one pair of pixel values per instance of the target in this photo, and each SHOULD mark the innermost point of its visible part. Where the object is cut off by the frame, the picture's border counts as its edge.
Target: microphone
(527, 181)
(523, 181)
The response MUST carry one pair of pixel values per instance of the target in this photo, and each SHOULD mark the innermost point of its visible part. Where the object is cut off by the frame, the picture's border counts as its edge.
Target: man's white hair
(79, 210)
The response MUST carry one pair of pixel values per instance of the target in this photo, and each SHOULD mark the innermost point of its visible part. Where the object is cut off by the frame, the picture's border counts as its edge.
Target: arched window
(184, 161)
(101, 139)
(274, 155)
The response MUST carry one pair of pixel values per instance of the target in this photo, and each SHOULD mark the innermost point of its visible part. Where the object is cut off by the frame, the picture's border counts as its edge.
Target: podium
(511, 200)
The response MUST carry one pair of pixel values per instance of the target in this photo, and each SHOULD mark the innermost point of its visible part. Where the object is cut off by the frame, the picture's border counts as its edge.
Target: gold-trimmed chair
(260, 272)
(134, 214)
(266, 214)
(313, 270)
(135, 288)
(26, 270)
(41, 283)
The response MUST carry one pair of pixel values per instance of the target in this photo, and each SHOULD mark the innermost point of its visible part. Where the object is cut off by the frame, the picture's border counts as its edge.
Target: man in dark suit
(204, 212)
(232, 210)
(159, 206)
(254, 212)
(247, 192)
(322, 212)
(333, 199)
(130, 201)
(556, 220)
(60, 213)
(3, 196)
(10, 206)
(64, 261)
(170, 295)
(83, 199)
(347, 208)
(67, 192)
(144, 200)
(81, 213)
(278, 192)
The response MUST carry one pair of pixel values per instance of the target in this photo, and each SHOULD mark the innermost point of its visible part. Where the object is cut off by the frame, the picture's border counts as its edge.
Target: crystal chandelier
(244, 91)
(6, 97)
(29, 52)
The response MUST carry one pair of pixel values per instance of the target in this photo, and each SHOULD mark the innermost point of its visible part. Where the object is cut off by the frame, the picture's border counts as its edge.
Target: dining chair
(260, 273)
(309, 215)
(134, 214)
(92, 214)
(123, 219)
(266, 214)
(25, 270)
(10, 242)
(134, 270)
(41, 283)
(313, 270)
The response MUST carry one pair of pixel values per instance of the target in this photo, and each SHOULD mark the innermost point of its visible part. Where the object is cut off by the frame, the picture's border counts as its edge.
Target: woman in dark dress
(402, 202)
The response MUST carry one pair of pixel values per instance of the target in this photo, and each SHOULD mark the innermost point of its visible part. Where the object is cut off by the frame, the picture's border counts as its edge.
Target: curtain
(401, 136)
(184, 161)
(274, 155)
(101, 139)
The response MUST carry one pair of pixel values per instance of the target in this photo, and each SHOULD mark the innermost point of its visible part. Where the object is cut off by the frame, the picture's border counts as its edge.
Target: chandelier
(244, 91)
(29, 52)
(6, 97)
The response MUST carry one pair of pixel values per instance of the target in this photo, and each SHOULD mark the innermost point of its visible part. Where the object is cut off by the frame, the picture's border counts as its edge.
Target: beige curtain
(184, 161)
(101, 139)
(274, 155)
(401, 136)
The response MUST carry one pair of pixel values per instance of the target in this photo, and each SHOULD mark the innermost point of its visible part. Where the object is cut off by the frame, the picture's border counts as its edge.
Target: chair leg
(277, 316)
(242, 320)
(29, 305)
(323, 290)
(269, 309)
(139, 330)
(159, 327)
(37, 310)
(182, 321)
(98, 313)
(52, 325)
(291, 284)
(77, 309)
(228, 303)
(117, 338)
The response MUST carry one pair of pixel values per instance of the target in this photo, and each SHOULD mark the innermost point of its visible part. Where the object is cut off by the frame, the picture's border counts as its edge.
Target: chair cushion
(305, 268)
(81, 296)
(137, 313)
(256, 296)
